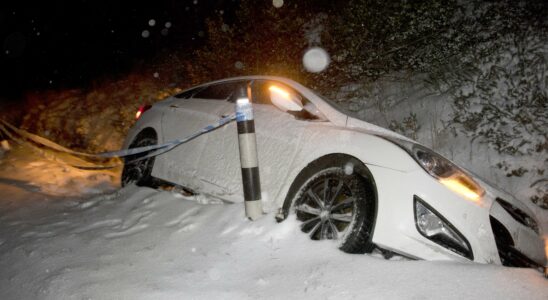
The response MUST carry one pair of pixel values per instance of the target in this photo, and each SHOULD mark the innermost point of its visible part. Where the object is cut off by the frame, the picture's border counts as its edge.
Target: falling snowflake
(168, 25)
(151, 22)
(145, 34)
(239, 65)
(195, 2)
(315, 60)
(278, 3)
(156, 75)
(225, 28)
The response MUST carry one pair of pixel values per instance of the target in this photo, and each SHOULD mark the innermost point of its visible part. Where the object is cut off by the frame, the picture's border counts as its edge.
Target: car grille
(519, 215)
(509, 256)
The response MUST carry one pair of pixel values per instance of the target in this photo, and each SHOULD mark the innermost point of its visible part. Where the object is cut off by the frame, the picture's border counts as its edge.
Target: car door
(184, 164)
(278, 140)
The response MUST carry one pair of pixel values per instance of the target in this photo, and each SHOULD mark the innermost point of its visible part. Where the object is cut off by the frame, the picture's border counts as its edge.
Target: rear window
(221, 91)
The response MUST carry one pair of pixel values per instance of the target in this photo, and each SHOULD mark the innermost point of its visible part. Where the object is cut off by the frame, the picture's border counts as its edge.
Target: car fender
(325, 138)
(152, 118)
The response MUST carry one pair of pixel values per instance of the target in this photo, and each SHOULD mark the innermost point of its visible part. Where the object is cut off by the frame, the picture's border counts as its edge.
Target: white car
(343, 178)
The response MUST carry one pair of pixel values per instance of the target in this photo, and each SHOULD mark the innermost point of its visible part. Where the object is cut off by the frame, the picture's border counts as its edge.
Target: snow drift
(140, 243)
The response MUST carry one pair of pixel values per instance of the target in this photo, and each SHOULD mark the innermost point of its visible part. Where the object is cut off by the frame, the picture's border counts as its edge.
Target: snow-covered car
(342, 178)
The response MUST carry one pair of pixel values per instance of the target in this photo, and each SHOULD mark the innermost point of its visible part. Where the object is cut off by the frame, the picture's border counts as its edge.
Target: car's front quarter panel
(325, 138)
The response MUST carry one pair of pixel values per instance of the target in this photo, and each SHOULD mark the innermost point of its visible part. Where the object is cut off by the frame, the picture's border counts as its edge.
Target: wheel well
(148, 132)
(330, 160)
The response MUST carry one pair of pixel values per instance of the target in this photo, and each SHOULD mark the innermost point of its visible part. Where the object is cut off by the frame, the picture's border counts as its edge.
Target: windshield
(337, 106)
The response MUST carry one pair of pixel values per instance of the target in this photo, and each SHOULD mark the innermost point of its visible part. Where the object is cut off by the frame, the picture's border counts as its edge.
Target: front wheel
(337, 206)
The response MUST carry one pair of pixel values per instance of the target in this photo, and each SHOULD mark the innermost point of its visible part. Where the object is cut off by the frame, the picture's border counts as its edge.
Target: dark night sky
(55, 44)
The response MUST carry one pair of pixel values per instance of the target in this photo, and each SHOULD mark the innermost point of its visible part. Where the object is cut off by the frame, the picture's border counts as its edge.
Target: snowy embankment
(411, 107)
(140, 243)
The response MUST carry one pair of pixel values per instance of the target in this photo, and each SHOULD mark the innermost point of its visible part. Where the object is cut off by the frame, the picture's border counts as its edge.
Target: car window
(187, 94)
(220, 91)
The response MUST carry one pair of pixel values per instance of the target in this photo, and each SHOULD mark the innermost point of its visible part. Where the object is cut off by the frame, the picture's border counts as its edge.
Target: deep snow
(140, 243)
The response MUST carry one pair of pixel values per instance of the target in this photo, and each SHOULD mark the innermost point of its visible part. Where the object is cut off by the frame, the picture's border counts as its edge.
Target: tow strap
(20, 136)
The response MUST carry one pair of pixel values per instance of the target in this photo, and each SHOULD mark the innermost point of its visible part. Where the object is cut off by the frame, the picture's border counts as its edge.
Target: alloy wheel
(326, 208)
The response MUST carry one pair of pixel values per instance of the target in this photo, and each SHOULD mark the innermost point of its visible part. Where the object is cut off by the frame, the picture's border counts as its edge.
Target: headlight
(446, 172)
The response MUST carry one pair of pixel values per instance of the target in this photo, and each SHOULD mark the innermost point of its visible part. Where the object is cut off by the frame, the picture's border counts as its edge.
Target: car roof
(333, 114)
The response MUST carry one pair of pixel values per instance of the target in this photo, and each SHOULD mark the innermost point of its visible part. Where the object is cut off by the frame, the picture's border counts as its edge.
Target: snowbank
(411, 107)
(140, 243)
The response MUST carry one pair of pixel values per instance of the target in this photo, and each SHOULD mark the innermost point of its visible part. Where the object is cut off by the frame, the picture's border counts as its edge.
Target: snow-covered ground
(72, 234)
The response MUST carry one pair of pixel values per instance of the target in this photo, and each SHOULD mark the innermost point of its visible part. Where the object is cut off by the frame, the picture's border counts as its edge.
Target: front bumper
(517, 242)
(495, 235)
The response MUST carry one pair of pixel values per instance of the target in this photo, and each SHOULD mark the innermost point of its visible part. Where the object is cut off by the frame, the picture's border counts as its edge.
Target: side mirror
(285, 100)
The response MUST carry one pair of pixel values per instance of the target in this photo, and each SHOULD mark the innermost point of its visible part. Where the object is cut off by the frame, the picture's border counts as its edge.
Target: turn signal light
(464, 186)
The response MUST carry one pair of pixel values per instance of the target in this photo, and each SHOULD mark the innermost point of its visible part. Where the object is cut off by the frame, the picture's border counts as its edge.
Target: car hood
(365, 127)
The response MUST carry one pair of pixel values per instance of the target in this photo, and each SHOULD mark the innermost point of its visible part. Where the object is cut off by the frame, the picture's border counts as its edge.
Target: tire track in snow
(130, 231)
(131, 226)
(179, 220)
(99, 225)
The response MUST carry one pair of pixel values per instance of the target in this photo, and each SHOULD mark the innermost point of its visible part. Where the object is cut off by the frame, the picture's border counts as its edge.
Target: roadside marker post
(248, 157)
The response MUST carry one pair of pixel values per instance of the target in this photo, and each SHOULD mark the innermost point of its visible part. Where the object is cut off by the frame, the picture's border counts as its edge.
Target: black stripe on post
(251, 183)
(246, 127)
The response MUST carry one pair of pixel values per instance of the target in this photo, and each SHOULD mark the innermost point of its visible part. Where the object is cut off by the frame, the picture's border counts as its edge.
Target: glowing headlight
(447, 173)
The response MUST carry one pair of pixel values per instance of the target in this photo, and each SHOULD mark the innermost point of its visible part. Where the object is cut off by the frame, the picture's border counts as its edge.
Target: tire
(334, 203)
(139, 172)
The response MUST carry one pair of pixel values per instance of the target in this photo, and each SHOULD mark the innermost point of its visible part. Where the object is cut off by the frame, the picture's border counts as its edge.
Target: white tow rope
(151, 151)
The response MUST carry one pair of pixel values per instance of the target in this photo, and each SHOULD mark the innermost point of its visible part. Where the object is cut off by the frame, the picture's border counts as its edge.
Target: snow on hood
(366, 127)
